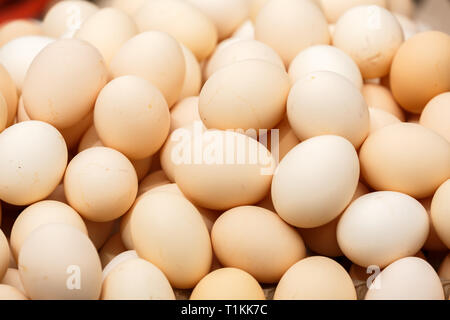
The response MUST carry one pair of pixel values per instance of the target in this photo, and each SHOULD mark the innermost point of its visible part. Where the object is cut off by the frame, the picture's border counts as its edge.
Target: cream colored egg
(240, 51)
(255, 7)
(285, 25)
(128, 6)
(433, 243)
(316, 278)
(407, 158)
(99, 232)
(3, 113)
(407, 279)
(184, 113)
(335, 9)
(228, 284)
(19, 28)
(168, 231)
(142, 167)
(287, 140)
(63, 82)
(101, 184)
(254, 232)
(9, 93)
(404, 7)
(33, 161)
(371, 35)
(122, 257)
(315, 181)
(193, 76)
(132, 116)
(4, 254)
(65, 18)
(396, 214)
(90, 139)
(8, 292)
(379, 97)
(136, 279)
(436, 115)
(246, 31)
(56, 259)
(183, 21)
(444, 268)
(41, 213)
(12, 278)
(241, 166)
(58, 194)
(380, 119)
(440, 212)
(250, 94)
(153, 180)
(156, 57)
(325, 58)
(112, 248)
(341, 111)
(107, 30)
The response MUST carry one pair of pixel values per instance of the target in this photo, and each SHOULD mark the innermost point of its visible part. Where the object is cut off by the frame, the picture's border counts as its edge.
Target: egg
(12, 278)
(42, 213)
(393, 213)
(127, 6)
(9, 92)
(371, 35)
(240, 51)
(325, 58)
(99, 232)
(255, 7)
(379, 97)
(58, 194)
(57, 261)
(18, 54)
(228, 284)
(433, 243)
(436, 115)
(107, 29)
(33, 161)
(70, 88)
(246, 31)
(414, 87)
(407, 158)
(19, 28)
(285, 25)
(119, 104)
(3, 113)
(255, 232)
(380, 119)
(11, 293)
(287, 140)
(241, 166)
(112, 248)
(136, 279)
(142, 167)
(404, 7)
(440, 212)
(315, 181)
(193, 77)
(335, 9)
(184, 113)
(87, 176)
(395, 282)
(122, 257)
(250, 94)
(156, 57)
(168, 231)
(65, 18)
(153, 180)
(4, 254)
(315, 278)
(341, 111)
(444, 268)
(183, 21)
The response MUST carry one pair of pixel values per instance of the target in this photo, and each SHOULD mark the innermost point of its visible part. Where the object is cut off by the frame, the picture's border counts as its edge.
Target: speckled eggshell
(436, 115)
(440, 212)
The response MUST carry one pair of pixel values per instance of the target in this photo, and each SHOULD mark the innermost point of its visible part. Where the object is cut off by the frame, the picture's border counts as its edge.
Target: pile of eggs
(224, 149)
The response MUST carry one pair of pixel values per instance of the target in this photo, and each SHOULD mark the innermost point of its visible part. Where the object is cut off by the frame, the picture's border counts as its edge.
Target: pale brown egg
(112, 248)
(287, 140)
(12, 278)
(3, 113)
(128, 6)
(57, 261)
(380, 119)
(228, 284)
(19, 28)
(33, 161)
(403, 7)
(99, 232)
(407, 279)
(90, 139)
(433, 243)
(379, 97)
(153, 180)
(8, 292)
(407, 158)
(335, 9)
(4, 254)
(440, 212)
(436, 115)
(9, 93)
(142, 167)
(193, 77)
(316, 278)
(122, 257)
(246, 31)
(415, 77)
(184, 113)
(255, 7)
(444, 268)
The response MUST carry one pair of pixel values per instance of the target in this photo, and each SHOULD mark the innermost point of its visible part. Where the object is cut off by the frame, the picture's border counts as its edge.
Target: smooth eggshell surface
(379, 97)
(112, 248)
(440, 212)
(8, 292)
(184, 113)
(4, 254)
(380, 119)
(335, 9)
(436, 115)
(19, 28)
(9, 92)
(193, 77)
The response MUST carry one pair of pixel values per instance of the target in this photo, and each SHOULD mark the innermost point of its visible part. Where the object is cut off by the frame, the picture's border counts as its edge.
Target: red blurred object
(21, 9)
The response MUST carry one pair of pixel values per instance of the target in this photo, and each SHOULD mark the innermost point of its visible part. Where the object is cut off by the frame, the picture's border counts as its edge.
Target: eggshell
(127, 6)
(436, 115)
(87, 176)
(440, 212)
(407, 158)
(142, 167)
(241, 166)
(107, 30)
(240, 51)
(183, 21)
(315, 278)
(315, 181)
(122, 257)
(9, 93)
(371, 35)
(228, 284)
(132, 116)
(4, 254)
(255, 7)
(404, 7)
(3, 113)
(407, 279)
(168, 231)
(136, 279)
(193, 77)
(444, 268)
(153, 180)
(379, 97)
(414, 87)
(335, 9)
(12, 278)
(285, 25)
(254, 232)
(380, 119)
(112, 248)
(433, 243)
(325, 58)
(246, 31)
(341, 111)
(74, 74)
(393, 213)
(19, 28)
(246, 95)
(65, 18)
(99, 232)
(41, 213)
(156, 57)
(55, 259)
(18, 54)
(90, 139)
(184, 113)
(11, 293)
(287, 140)
(33, 161)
